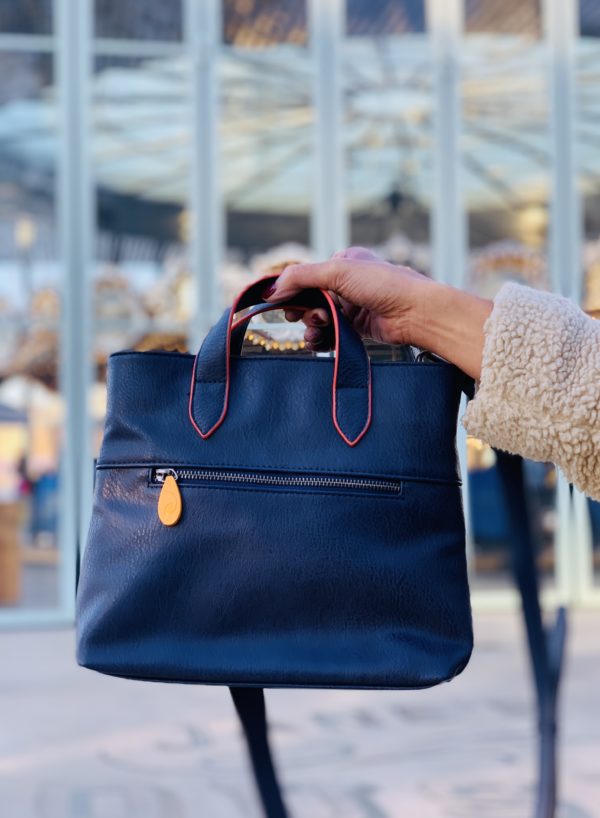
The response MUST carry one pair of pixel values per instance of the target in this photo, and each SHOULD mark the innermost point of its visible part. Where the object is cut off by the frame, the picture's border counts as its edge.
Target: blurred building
(155, 156)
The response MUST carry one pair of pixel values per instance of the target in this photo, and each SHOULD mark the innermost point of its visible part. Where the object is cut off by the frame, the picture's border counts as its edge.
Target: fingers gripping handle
(240, 325)
(351, 388)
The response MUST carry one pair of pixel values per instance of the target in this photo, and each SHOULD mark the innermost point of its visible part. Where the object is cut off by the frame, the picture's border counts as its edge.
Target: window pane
(589, 18)
(505, 151)
(259, 23)
(139, 19)
(523, 17)
(266, 149)
(488, 514)
(506, 172)
(141, 146)
(388, 99)
(373, 18)
(31, 406)
(26, 16)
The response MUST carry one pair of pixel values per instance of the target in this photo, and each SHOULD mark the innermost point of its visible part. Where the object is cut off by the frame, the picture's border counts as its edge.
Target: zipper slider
(170, 505)
(160, 475)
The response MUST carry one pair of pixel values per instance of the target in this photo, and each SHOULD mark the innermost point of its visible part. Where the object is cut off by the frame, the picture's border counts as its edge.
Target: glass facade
(31, 404)
(505, 157)
(140, 153)
(265, 137)
(207, 140)
(388, 97)
(31, 17)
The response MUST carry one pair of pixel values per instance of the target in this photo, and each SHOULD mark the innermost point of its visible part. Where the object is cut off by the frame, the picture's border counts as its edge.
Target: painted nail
(268, 292)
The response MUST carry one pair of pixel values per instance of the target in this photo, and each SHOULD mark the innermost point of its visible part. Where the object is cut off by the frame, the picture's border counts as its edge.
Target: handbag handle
(211, 374)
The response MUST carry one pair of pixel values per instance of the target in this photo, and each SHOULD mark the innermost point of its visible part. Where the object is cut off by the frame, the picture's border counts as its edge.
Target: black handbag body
(277, 521)
(321, 537)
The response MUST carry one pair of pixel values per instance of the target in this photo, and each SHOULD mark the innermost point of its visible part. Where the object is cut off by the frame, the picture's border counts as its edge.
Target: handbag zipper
(266, 479)
(170, 503)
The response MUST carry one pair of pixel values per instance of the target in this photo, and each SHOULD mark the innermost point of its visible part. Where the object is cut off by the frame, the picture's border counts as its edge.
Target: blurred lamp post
(25, 235)
(532, 225)
(592, 294)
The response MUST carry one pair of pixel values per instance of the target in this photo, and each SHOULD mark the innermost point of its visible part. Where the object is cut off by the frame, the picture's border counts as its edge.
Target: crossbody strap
(250, 705)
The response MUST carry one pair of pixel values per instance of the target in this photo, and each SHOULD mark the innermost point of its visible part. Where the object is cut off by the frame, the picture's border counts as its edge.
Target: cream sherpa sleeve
(539, 391)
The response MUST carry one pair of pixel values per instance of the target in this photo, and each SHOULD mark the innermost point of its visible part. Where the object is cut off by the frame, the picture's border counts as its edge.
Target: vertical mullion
(329, 222)
(565, 243)
(202, 23)
(445, 24)
(561, 29)
(73, 56)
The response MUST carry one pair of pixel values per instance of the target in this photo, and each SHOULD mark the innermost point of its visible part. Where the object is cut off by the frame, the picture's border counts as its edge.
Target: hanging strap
(250, 705)
(546, 643)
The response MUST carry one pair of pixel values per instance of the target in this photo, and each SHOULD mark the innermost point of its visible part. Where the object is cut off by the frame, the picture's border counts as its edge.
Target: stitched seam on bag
(213, 681)
(115, 464)
(189, 356)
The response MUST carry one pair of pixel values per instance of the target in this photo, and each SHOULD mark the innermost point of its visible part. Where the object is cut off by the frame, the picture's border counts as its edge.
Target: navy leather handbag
(276, 521)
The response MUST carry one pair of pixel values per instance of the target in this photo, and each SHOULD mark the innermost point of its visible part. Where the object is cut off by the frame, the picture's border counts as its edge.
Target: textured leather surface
(269, 586)
(280, 417)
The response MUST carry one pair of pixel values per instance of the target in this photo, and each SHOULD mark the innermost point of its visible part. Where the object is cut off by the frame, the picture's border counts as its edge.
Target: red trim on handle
(231, 326)
(205, 435)
(335, 379)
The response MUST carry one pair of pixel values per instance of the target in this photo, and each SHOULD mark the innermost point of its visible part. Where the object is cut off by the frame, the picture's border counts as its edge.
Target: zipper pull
(170, 505)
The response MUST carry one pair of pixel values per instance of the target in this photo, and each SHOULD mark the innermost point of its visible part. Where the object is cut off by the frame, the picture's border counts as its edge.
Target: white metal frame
(27, 42)
(445, 24)
(202, 29)
(564, 244)
(561, 17)
(329, 222)
(77, 229)
(74, 47)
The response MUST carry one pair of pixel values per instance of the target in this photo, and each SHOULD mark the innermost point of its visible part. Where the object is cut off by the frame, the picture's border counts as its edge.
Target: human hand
(376, 297)
(390, 304)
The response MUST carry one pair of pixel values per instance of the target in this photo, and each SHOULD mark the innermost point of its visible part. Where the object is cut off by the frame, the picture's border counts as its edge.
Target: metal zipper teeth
(297, 481)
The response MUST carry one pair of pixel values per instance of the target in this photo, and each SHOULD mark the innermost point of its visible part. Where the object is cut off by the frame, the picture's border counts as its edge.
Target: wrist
(429, 314)
(449, 322)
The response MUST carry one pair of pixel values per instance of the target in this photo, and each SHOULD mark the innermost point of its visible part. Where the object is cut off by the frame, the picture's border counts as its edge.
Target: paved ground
(74, 744)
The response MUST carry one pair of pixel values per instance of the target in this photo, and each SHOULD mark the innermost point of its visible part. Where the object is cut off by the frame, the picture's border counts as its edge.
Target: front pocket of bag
(171, 480)
(319, 583)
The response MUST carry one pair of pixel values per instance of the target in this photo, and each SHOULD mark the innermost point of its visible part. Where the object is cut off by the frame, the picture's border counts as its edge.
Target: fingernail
(317, 321)
(268, 291)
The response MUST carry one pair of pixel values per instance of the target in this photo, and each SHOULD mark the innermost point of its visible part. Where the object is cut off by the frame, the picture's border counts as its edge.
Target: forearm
(450, 323)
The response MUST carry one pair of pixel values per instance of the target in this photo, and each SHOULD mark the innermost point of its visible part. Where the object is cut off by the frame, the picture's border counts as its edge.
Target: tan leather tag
(169, 502)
